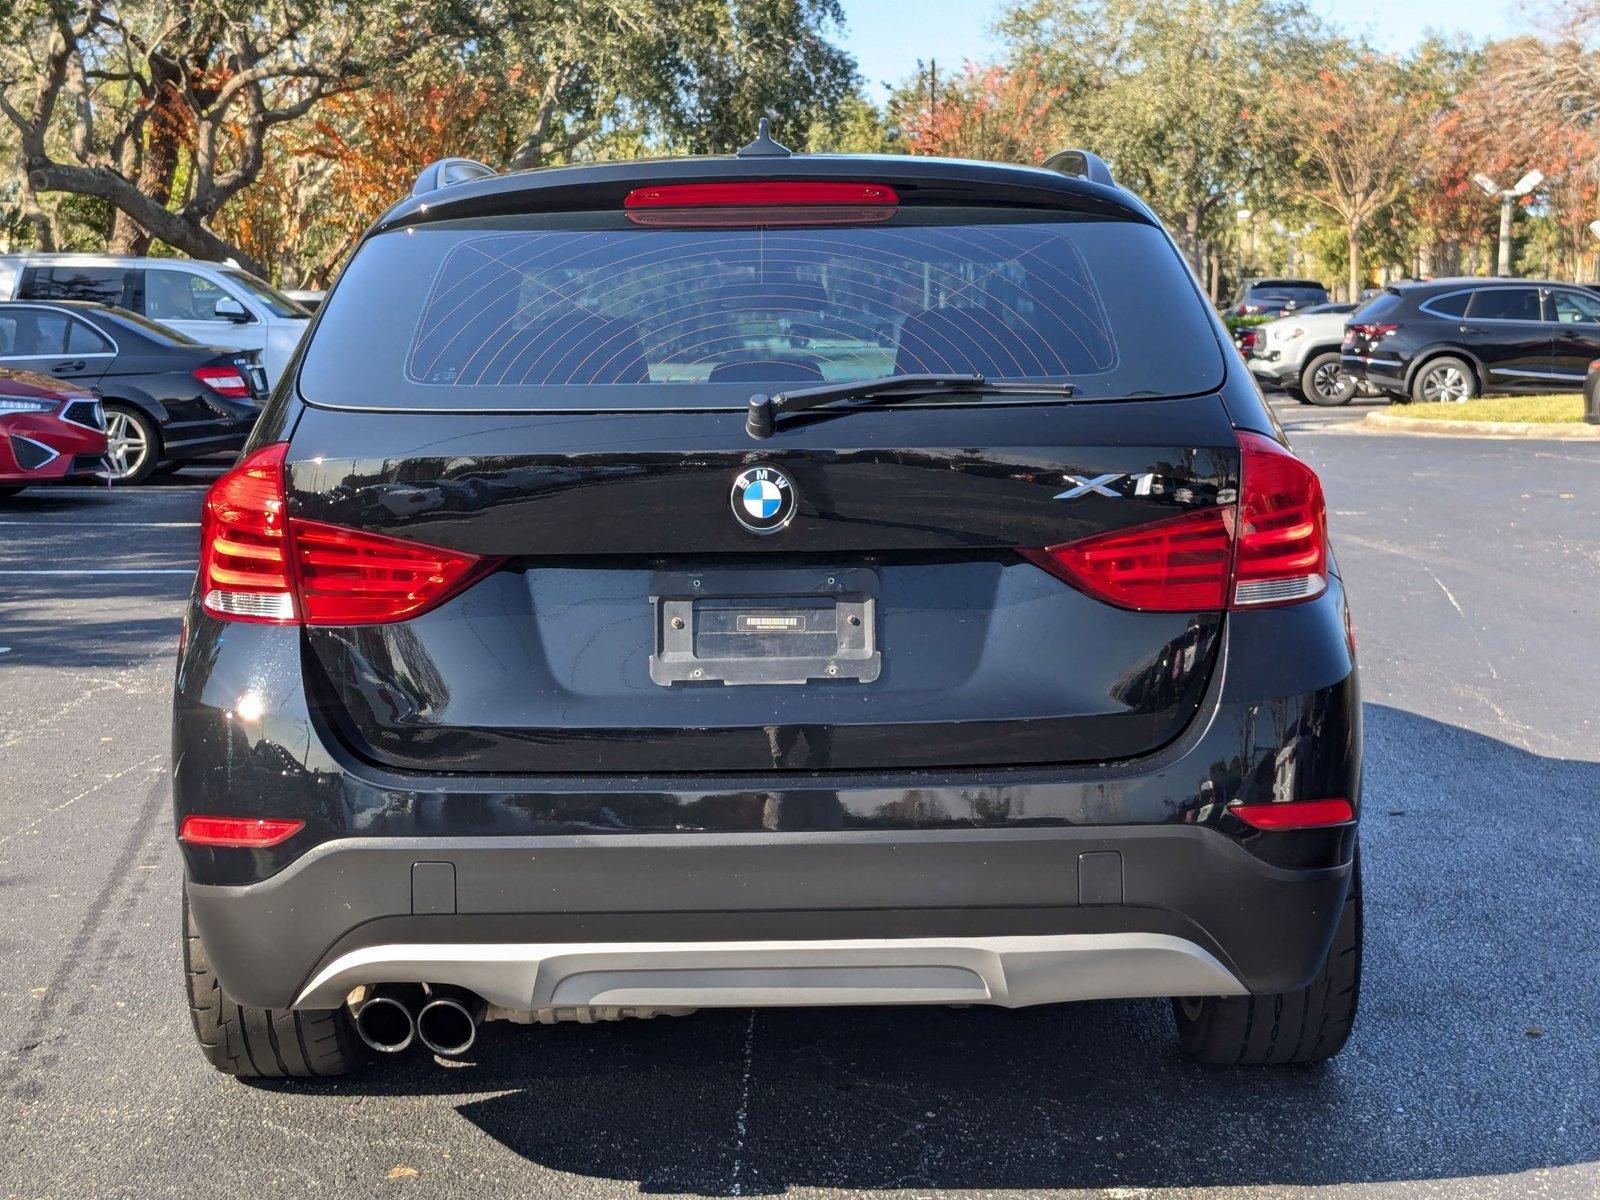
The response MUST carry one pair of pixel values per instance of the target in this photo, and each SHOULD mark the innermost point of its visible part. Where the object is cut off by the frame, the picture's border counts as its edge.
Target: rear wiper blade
(765, 410)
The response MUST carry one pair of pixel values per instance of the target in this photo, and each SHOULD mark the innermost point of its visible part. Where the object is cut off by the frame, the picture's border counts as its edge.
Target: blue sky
(888, 36)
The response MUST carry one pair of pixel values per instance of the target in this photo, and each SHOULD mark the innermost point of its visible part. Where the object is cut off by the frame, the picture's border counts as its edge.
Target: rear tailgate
(982, 658)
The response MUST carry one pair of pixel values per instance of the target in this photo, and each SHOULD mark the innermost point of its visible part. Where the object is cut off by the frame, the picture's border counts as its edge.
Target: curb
(1557, 430)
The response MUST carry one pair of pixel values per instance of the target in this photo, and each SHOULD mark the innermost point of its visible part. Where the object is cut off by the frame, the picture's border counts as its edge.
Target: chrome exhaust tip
(384, 1022)
(448, 1023)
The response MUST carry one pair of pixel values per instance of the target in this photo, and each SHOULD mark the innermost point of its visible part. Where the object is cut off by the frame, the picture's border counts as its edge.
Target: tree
(106, 98)
(1354, 138)
(987, 112)
(1168, 92)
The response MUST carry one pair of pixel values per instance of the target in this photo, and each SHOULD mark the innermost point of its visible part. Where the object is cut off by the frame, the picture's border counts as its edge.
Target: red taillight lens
(244, 545)
(1371, 332)
(1295, 814)
(258, 565)
(1269, 548)
(224, 381)
(347, 577)
(760, 202)
(760, 192)
(1282, 553)
(254, 833)
(1177, 565)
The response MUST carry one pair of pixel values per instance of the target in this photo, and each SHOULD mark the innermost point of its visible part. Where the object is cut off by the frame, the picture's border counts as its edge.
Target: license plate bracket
(773, 627)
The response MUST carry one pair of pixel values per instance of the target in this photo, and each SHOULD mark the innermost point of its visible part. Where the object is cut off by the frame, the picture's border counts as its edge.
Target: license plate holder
(772, 627)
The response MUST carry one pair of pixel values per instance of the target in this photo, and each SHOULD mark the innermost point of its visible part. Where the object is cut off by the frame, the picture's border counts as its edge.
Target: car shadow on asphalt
(1474, 1055)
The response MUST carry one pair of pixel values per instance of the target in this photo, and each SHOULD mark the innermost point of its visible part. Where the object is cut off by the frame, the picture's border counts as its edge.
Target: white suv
(1300, 354)
(213, 303)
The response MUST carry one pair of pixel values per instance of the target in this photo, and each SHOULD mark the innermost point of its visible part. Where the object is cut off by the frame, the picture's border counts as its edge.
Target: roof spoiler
(448, 171)
(1081, 164)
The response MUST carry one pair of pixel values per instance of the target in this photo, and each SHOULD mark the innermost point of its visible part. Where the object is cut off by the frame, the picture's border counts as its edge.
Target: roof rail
(1082, 164)
(447, 171)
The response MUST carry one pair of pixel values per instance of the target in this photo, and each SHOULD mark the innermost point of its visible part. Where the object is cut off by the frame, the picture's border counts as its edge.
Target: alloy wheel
(1330, 383)
(126, 445)
(1446, 385)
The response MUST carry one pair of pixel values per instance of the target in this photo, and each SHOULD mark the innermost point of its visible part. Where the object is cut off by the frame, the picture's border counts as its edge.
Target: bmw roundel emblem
(762, 499)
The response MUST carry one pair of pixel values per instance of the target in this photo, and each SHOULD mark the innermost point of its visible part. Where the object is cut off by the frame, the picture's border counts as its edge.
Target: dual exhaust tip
(442, 1017)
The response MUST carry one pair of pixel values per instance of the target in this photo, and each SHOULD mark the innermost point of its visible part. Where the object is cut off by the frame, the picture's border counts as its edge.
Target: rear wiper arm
(765, 410)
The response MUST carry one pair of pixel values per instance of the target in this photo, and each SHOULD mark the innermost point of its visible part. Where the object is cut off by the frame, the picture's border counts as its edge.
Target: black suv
(764, 580)
(1275, 297)
(1453, 339)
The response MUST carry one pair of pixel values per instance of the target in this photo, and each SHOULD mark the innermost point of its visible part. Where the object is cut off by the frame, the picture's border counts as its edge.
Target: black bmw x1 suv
(764, 580)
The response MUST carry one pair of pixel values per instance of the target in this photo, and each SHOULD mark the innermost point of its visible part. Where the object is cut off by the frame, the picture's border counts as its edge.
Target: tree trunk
(1353, 242)
(35, 216)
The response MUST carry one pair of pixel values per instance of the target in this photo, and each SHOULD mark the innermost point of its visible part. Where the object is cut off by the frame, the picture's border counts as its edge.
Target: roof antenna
(764, 146)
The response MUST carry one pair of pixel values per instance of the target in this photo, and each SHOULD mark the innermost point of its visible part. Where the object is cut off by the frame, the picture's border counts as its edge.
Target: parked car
(1274, 297)
(1300, 354)
(1452, 339)
(212, 303)
(309, 299)
(50, 431)
(167, 400)
(806, 584)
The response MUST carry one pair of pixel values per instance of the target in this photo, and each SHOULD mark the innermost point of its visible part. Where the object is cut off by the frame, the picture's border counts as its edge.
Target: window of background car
(1505, 304)
(82, 339)
(181, 296)
(527, 312)
(1575, 308)
(269, 297)
(33, 333)
(103, 285)
(1452, 304)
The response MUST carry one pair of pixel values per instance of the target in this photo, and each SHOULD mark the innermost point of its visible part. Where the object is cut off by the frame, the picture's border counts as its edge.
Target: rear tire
(10, 489)
(262, 1043)
(133, 444)
(1445, 380)
(1323, 383)
(1306, 1026)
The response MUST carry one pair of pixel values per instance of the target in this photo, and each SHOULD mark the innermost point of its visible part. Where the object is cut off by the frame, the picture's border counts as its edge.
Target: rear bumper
(1387, 374)
(1274, 370)
(996, 916)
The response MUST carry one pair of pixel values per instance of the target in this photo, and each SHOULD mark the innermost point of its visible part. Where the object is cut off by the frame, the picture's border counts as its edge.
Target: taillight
(761, 202)
(1295, 814)
(1268, 548)
(224, 381)
(1282, 551)
(257, 564)
(244, 542)
(1371, 332)
(1177, 565)
(255, 833)
(348, 577)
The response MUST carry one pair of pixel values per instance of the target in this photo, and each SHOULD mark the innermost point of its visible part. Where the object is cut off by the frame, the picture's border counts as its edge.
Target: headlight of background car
(16, 404)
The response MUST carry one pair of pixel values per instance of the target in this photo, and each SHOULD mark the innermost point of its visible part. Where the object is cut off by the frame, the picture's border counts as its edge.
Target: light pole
(1508, 198)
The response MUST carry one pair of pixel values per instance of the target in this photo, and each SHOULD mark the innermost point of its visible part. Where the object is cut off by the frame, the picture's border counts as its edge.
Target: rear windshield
(589, 312)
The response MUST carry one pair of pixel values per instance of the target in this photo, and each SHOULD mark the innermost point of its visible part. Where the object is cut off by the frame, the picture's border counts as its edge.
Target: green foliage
(1168, 91)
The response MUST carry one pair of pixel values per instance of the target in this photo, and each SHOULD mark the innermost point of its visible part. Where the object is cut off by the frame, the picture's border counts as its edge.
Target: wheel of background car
(1322, 382)
(1444, 381)
(133, 444)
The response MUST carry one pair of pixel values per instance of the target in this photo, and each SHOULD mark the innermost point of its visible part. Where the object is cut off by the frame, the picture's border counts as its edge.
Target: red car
(49, 431)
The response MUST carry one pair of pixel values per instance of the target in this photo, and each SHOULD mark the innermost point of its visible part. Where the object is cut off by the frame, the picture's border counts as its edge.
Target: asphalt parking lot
(1474, 1071)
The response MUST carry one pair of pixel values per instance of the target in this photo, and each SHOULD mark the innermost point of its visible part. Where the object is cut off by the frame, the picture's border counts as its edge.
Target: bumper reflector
(254, 833)
(1295, 814)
